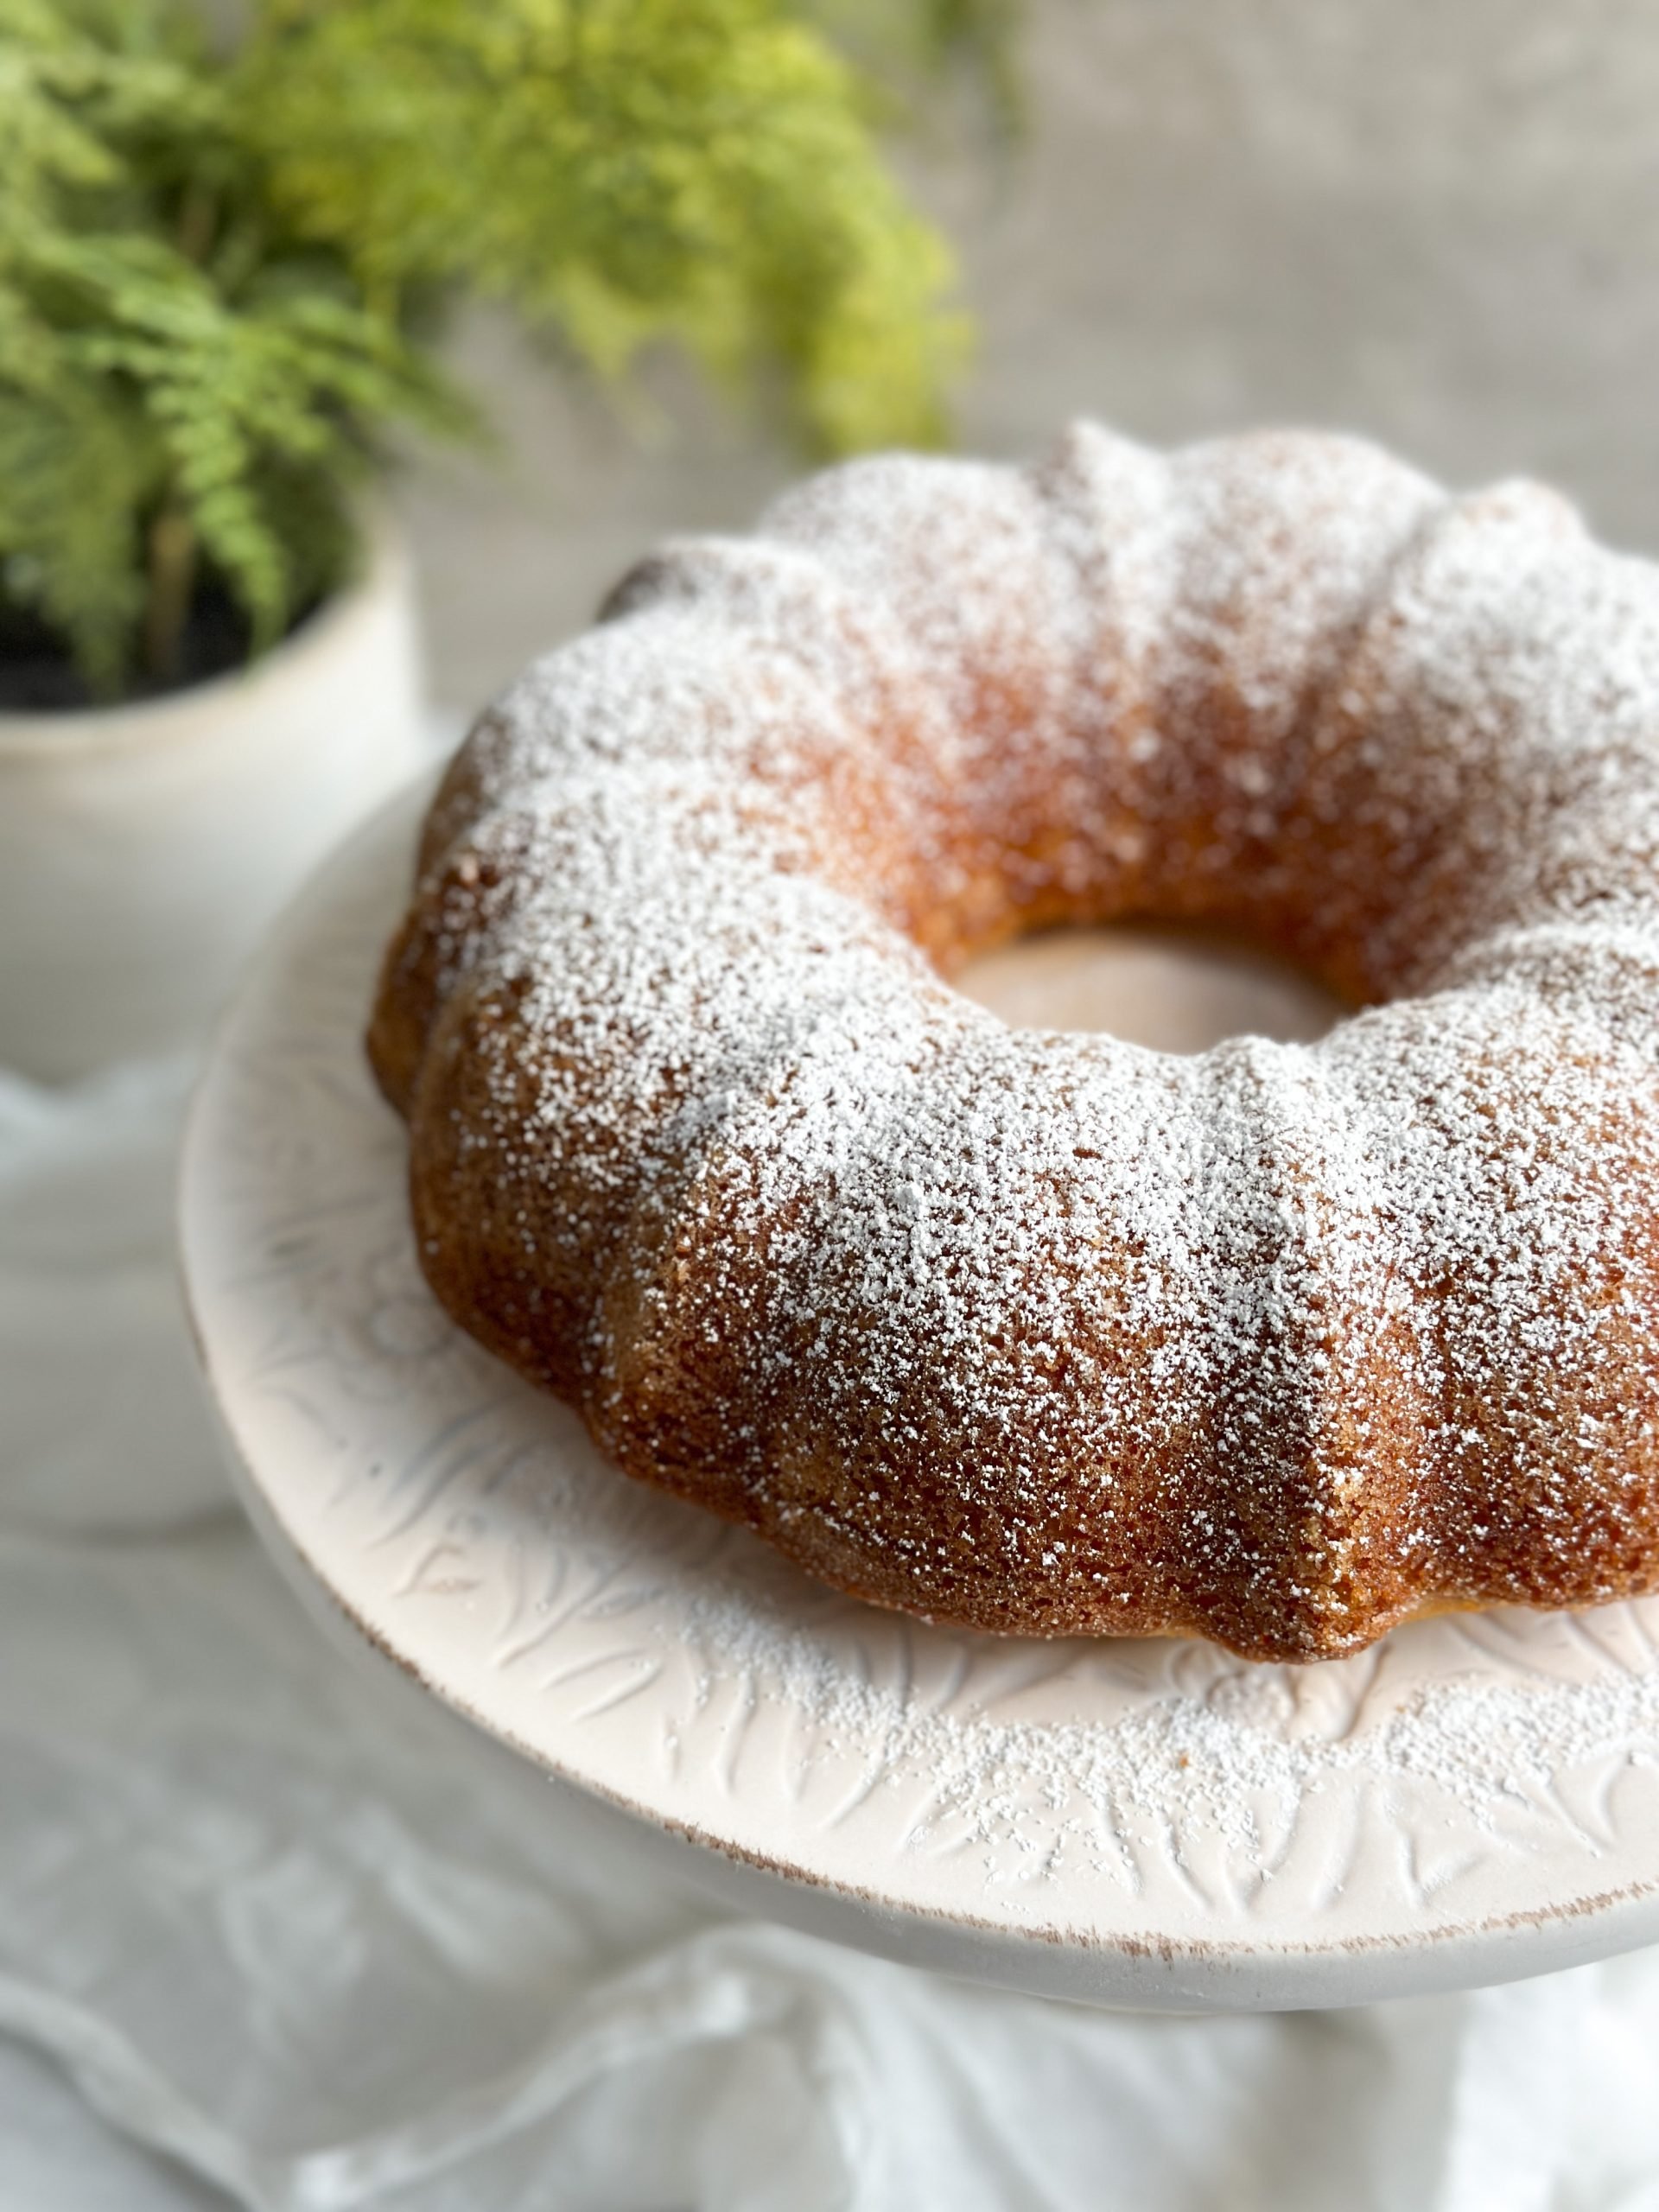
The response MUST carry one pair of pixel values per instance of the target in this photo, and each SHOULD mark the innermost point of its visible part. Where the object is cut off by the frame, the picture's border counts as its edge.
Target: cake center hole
(1179, 990)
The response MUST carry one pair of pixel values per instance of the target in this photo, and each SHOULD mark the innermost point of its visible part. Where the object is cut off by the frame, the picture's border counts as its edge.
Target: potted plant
(225, 249)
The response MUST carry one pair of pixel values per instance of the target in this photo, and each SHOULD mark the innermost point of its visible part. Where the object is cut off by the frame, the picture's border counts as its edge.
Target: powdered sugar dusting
(1186, 1752)
(1043, 1331)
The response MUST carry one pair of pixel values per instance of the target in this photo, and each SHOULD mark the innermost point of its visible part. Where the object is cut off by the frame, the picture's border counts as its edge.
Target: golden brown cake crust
(1048, 1333)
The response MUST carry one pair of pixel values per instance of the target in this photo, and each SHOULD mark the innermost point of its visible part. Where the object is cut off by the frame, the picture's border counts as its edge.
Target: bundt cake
(1048, 1333)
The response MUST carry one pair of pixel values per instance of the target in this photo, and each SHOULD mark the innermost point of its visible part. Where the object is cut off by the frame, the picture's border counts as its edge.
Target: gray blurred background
(1437, 223)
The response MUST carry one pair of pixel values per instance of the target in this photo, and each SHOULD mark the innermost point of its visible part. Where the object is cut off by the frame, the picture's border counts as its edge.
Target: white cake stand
(1138, 1823)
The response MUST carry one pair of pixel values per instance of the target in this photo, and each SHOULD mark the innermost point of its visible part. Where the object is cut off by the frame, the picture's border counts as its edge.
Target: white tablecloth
(297, 1938)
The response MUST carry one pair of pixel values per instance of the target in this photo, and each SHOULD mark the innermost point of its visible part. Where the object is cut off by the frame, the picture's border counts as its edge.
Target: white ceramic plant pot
(145, 850)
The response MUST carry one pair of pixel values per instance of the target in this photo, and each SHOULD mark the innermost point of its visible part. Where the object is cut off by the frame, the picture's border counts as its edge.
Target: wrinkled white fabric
(298, 1937)
(89, 1292)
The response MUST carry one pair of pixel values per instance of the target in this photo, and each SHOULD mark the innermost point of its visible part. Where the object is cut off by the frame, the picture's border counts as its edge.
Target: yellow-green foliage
(211, 263)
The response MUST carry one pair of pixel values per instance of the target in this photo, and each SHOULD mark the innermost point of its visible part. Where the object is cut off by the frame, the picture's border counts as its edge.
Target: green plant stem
(170, 570)
(198, 221)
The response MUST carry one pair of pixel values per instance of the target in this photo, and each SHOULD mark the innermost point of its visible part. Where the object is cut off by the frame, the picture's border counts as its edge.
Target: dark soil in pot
(37, 675)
